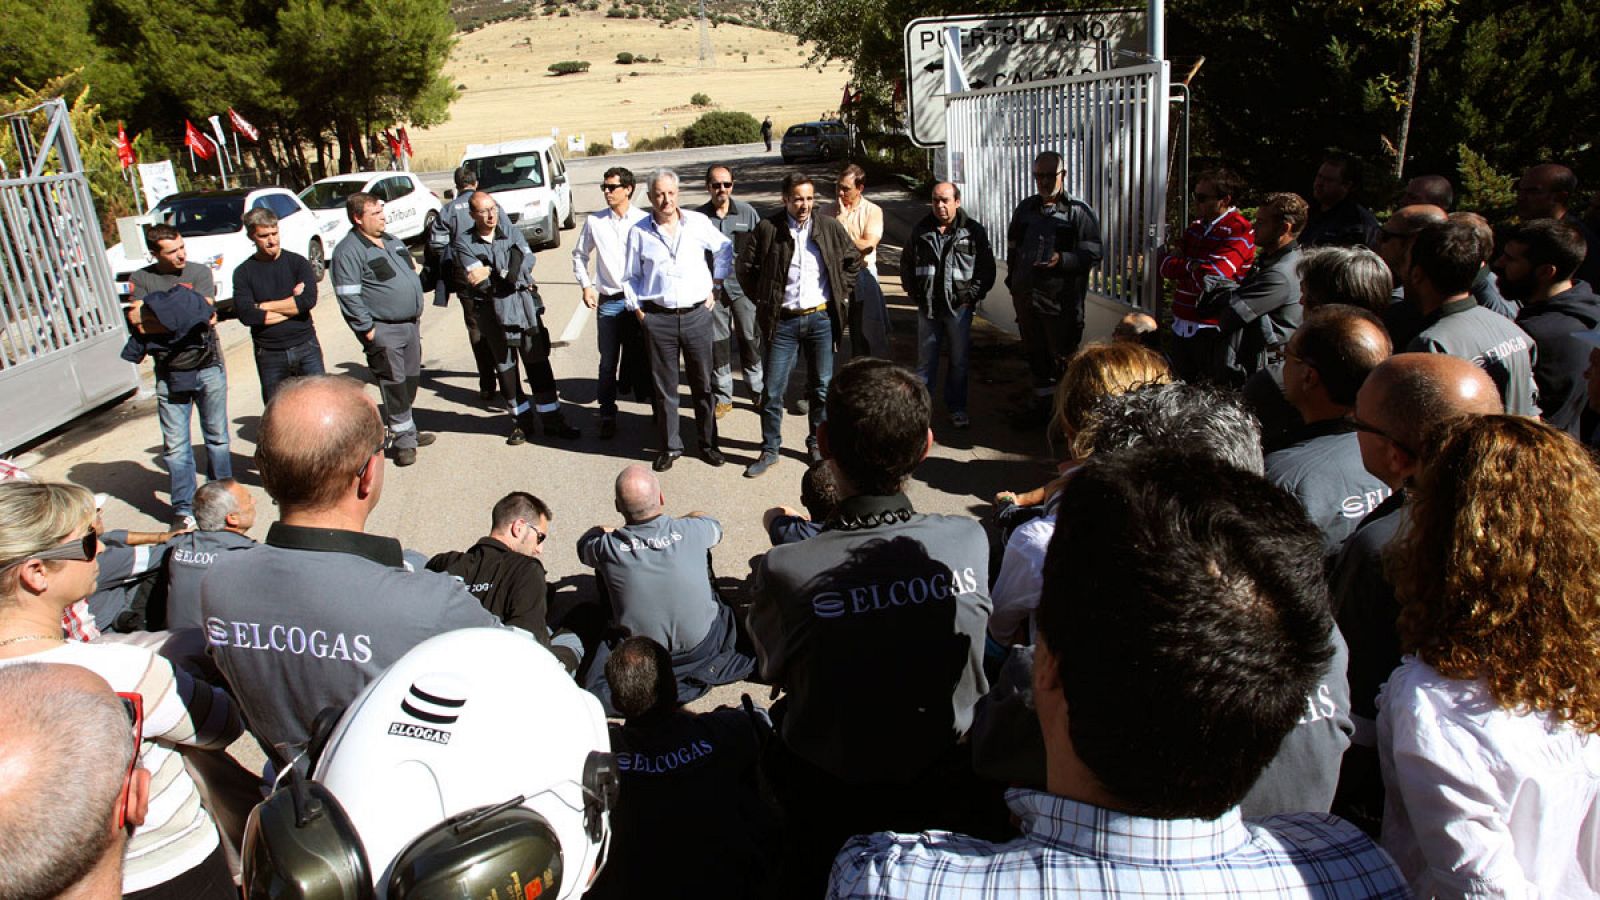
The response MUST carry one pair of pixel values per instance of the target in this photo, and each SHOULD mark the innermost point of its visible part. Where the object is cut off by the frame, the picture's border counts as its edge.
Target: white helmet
(441, 760)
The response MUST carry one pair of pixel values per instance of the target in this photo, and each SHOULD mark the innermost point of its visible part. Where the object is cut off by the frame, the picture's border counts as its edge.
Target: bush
(616, 12)
(599, 149)
(716, 128)
(700, 100)
(624, 58)
(569, 67)
(564, 12)
(633, 14)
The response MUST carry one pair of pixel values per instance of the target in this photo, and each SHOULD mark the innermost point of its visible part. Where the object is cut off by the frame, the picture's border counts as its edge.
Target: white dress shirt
(606, 233)
(1482, 801)
(668, 268)
(807, 284)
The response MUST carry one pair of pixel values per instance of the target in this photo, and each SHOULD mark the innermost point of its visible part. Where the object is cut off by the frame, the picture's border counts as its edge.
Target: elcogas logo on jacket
(290, 639)
(869, 598)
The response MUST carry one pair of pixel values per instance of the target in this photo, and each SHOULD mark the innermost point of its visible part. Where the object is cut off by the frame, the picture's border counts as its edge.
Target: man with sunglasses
(1052, 244)
(619, 335)
(737, 220)
(1219, 244)
(1401, 401)
(505, 572)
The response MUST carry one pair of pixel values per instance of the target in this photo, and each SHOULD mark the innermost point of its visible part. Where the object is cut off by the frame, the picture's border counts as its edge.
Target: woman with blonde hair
(1095, 372)
(48, 547)
(1487, 730)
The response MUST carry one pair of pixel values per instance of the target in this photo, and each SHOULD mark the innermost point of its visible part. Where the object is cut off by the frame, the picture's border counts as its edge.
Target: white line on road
(580, 318)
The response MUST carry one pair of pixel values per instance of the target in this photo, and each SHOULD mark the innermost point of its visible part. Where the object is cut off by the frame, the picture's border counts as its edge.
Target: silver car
(816, 140)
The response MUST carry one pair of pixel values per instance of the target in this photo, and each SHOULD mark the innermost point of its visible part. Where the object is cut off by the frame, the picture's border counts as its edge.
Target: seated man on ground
(819, 494)
(1163, 693)
(224, 513)
(507, 576)
(692, 787)
(656, 572)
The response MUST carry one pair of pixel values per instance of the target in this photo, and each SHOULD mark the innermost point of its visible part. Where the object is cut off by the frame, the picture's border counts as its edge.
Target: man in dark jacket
(799, 269)
(1265, 309)
(1337, 218)
(1536, 269)
(947, 269)
(505, 573)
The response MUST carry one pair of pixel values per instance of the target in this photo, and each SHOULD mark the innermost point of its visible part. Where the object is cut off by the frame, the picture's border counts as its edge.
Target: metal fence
(60, 323)
(1111, 130)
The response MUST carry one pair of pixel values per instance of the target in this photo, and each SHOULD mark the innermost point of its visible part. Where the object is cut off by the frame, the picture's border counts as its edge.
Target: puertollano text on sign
(1021, 34)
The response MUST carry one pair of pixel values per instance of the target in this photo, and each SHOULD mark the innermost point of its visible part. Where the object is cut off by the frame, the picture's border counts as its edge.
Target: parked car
(529, 180)
(213, 233)
(408, 205)
(816, 140)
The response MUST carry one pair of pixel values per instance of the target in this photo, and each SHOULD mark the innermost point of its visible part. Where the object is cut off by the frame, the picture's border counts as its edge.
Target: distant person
(454, 220)
(274, 292)
(1219, 244)
(694, 801)
(1546, 191)
(1403, 316)
(734, 316)
(74, 788)
(1538, 269)
(1440, 268)
(1266, 308)
(617, 331)
(1162, 695)
(1486, 285)
(766, 132)
(947, 269)
(497, 273)
(867, 317)
(655, 571)
(224, 514)
(1336, 217)
(178, 329)
(819, 495)
(505, 572)
(1431, 190)
(1138, 328)
(381, 298)
(1052, 244)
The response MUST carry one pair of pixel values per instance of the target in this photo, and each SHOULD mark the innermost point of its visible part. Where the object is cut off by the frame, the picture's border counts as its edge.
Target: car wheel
(827, 152)
(314, 256)
(571, 220)
(555, 233)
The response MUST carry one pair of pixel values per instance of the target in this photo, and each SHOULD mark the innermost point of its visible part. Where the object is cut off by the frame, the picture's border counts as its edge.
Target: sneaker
(426, 438)
(516, 438)
(960, 420)
(760, 466)
(723, 409)
(405, 456)
(183, 522)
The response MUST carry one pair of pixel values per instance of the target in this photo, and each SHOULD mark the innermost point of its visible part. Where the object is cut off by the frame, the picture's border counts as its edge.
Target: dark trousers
(621, 343)
(506, 346)
(868, 319)
(1047, 340)
(482, 356)
(1201, 357)
(276, 366)
(668, 334)
(395, 356)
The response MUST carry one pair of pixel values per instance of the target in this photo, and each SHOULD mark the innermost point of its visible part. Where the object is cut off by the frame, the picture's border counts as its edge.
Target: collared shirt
(807, 284)
(1070, 848)
(605, 236)
(669, 268)
(863, 220)
(375, 282)
(739, 224)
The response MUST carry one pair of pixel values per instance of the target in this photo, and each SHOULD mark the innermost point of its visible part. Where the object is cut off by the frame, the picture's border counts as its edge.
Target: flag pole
(222, 167)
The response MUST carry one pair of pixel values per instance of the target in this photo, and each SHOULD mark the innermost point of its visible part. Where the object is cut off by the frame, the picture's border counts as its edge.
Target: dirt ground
(510, 95)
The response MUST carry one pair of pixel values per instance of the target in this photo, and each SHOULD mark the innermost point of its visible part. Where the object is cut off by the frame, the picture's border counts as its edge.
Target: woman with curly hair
(1487, 730)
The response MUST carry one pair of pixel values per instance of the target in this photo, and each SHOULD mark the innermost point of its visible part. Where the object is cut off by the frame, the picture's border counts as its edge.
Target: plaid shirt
(1075, 849)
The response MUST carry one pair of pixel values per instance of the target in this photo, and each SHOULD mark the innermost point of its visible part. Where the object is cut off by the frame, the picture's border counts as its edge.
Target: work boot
(405, 456)
(608, 427)
(517, 438)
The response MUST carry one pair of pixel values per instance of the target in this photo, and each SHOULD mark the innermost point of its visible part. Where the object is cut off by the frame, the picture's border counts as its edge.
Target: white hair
(661, 175)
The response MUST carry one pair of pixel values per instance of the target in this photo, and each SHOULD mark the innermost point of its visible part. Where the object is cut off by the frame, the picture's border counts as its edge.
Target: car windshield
(201, 216)
(509, 172)
(802, 131)
(329, 194)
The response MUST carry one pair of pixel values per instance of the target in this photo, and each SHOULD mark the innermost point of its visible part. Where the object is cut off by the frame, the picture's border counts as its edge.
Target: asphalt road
(443, 501)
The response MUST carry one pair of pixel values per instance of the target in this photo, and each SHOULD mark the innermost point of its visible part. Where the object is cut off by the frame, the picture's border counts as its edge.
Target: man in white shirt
(670, 289)
(605, 237)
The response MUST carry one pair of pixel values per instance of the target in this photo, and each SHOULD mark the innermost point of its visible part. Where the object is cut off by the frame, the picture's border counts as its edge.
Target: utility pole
(708, 57)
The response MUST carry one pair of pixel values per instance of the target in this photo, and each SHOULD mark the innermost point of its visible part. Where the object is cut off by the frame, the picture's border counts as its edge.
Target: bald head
(638, 494)
(1429, 190)
(1410, 395)
(1544, 192)
(1401, 229)
(68, 744)
(316, 435)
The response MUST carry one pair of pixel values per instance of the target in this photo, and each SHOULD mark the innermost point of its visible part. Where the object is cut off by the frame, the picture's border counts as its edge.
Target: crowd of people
(1305, 610)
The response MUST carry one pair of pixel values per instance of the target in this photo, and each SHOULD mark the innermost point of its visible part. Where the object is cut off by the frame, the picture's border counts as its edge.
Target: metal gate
(60, 324)
(1111, 130)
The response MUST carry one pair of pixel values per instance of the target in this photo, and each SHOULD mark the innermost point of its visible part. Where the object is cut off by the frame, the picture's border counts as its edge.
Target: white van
(529, 179)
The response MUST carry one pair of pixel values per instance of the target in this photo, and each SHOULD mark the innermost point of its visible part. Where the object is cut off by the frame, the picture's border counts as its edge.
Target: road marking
(580, 318)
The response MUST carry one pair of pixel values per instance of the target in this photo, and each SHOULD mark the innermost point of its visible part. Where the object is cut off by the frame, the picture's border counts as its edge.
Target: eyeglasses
(133, 705)
(362, 472)
(1351, 420)
(719, 184)
(608, 188)
(83, 549)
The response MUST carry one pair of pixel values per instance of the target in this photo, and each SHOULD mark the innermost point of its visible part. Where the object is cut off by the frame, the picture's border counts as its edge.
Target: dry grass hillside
(509, 94)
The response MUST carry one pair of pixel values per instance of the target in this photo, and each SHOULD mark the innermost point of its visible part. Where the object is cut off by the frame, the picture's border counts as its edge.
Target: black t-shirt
(258, 280)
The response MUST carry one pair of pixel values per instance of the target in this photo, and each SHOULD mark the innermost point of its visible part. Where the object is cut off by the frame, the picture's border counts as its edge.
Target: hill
(506, 92)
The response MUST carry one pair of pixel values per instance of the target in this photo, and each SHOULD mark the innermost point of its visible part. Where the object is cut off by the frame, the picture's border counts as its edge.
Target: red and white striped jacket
(1225, 247)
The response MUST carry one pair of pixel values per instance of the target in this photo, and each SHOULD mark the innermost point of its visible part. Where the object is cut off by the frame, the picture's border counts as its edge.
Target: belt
(669, 310)
(797, 313)
(395, 321)
(610, 297)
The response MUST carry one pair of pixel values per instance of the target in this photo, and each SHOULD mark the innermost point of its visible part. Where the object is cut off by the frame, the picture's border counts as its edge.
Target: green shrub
(564, 12)
(700, 100)
(598, 149)
(569, 67)
(624, 58)
(633, 14)
(616, 12)
(716, 128)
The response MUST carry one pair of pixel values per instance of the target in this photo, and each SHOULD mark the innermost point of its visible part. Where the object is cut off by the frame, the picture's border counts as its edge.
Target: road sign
(1013, 48)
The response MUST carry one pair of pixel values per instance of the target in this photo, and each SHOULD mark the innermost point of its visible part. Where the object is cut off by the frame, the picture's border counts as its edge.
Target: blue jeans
(276, 366)
(608, 324)
(813, 336)
(173, 410)
(932, 336)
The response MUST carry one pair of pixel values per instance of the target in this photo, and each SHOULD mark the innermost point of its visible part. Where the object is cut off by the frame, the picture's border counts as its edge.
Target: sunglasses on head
(133, 705)
(83, 549)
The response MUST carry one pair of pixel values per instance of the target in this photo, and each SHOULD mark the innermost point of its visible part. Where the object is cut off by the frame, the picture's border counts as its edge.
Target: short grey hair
(260, 217)
(1179, 417)
(213, 503)
(67, 749)
(660, 175)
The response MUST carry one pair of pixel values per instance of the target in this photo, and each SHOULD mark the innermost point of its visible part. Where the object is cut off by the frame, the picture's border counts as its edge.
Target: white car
(213, 233)
(529, 180)
(408, 206)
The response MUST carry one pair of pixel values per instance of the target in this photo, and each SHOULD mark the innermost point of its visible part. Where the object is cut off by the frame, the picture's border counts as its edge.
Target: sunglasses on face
(535, 529)
(719, 184)
(608, 188)
(133, 705)
(82, 549)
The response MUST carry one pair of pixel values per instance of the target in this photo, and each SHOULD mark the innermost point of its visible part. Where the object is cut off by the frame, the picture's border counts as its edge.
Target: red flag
(844, 102)
(394, 144)
(124, 147)
(405, 142)
(243, 127)
(194, 140)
